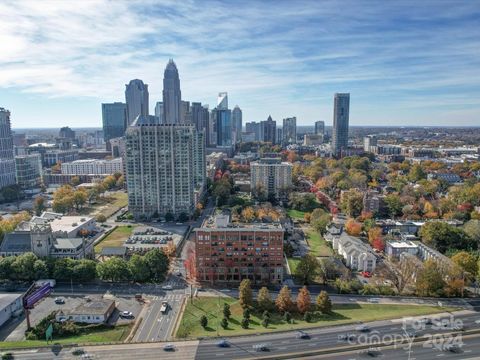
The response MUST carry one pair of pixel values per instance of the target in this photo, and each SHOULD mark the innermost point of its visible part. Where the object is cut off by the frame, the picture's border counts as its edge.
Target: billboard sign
(38, 294)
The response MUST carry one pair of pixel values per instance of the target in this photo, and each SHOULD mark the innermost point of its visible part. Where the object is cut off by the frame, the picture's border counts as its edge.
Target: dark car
(169, 347)
(223, 343)
(454, 348)
(302, 335)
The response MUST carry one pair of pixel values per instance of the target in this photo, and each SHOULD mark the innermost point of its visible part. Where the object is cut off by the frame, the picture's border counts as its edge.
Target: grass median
(342, 314)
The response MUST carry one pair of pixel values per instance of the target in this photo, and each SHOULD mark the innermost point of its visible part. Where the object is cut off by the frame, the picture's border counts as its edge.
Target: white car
(126, 314)
(167, 287)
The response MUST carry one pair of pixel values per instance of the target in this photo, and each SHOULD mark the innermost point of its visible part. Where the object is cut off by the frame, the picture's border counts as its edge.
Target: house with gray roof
(357, 254)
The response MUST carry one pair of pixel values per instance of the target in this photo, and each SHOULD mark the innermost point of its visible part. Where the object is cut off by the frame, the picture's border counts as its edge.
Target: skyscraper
(320, 127)
(341, 109)
(268, 130)
(199, 116)
(114, 118)
(224, 127)
(136, 98)
(159, 111)
(172, 95)
(66, 133)
(254, 128)
(185, 112)
(222, 101)
(237, 123)
(165, 167)
(290, 130)
(7, 162)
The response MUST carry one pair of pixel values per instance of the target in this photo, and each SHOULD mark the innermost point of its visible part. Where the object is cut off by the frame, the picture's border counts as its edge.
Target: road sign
(49, 333)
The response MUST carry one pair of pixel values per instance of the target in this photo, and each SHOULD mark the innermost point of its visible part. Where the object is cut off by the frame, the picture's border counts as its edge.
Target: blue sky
(403, 62)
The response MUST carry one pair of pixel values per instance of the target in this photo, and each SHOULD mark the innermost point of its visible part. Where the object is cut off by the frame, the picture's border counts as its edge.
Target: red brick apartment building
(228, 252)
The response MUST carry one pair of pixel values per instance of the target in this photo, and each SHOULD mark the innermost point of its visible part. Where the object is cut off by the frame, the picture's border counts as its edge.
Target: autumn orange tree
(353, 227)
(303, 300)
(284, 301)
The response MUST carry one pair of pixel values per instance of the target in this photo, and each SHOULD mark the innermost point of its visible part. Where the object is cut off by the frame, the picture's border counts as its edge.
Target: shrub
(224, 323)
(245, 323)
(203, 321)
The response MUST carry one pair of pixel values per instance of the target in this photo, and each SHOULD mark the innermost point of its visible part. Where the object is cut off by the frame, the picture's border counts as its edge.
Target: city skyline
(402, 67)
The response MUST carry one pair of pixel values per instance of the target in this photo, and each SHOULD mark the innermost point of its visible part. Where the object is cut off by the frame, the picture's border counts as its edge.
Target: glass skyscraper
(341, 110)
(172, 95)
(114, 118)
(136, 98)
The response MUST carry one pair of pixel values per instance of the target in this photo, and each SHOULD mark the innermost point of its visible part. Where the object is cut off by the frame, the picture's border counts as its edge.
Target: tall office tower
(212, 128)
(268, 130)
(279, 135)
(185, 113)
(341, 111)
(225, 131)
(290, 130)
(237, 123)
(136, 98)
(172, 95)
(320, 127)
(222, 101)
(199, 116)
(159, 111)
(7, 162)
(165, 168)
(114, 118)
(66, 133)
(368, 142)
(255, 128)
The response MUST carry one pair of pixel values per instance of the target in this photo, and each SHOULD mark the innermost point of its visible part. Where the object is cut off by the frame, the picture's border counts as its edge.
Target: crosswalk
(167, 297)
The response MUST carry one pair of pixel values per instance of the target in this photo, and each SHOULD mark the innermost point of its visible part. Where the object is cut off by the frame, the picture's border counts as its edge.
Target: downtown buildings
(341, 112)
(7, 162)
(290, 130)
(136, 98)
(172, 95)
(114, 118)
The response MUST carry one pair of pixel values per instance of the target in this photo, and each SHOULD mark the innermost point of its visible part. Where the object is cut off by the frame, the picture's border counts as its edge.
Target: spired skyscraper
(136, 98)
(7, 162)
(172, 96)
(341, 110)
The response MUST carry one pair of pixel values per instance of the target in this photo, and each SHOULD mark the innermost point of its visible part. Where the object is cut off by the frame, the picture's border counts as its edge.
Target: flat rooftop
(403, 244)
(222, 222)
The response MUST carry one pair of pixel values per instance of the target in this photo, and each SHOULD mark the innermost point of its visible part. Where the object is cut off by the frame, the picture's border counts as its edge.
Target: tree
(139, 268)
(114, 269)
(245, 323)
(246, 313)
(472, 229)
(302, 201)
(40, 269)
(319, 220)
(287, 317)
(265, 322)
(101, 218)
(378, 244)
(467, 262)
(84, 270)
(75, 181)
(353, 227)
(429, 280)
(39, 205)
(351, 202)
(224, 323)
(324, 304)
(158, 263)
(24, 266)
(442, 236)
(248, 214)
(183, 217)
(284, 302)
(374, 233)
(394, 205)
(416, 173)
(307, 317)
(402, 273)
(169, 217)
(109, 182)
(245, 294)
(226, 311)
(303, 300)
(63, 199)
(264, 300)
(307, 269)
(203, 321)
(266, 315)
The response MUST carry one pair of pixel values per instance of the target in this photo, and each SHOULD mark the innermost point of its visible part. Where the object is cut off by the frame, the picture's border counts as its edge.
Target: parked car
(126, 314)
(59, 301)
(167, 287)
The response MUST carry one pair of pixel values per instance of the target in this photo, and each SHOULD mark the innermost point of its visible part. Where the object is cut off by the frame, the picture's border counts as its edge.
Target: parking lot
(47, 305)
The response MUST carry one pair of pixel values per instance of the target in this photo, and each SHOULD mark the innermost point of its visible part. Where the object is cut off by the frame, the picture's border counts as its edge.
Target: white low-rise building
(396, 248)
(69, 226)
(10, 305)
(93, 311)
(93, 167)
(357, 254)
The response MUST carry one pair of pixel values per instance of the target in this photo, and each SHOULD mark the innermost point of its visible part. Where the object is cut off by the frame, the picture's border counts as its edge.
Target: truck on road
(164, 307)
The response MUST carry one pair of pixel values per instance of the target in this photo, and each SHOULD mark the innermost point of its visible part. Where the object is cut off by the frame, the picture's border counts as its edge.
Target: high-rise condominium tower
(290, 130)
(237, 123)
(114, 118)
(341, 109)
(7, 162)
(320, 127)
(268, 130)
(172, 95)
(165, 167)
(136, 98)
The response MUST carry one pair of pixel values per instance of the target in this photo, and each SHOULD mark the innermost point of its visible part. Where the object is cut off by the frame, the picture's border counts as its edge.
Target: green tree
(80, 198)
(287, 317)
(203, 321)
(245, 294)
(63, 269)
(416, 173)
(224, 323)
(6, 268)
(245, 323)
(24, 266)
(467, 262)
(158, 263)
(266, 315)
(226, 311)
(472, 229)
(302, 201)
(394, 205)
(351, 202)
(109, 182)
(442, 236)
(139, 268)
(39, 205)
(264, 299)
(319, 219)
(85, 270)
(307, 317)
(265, 322)
(429, 280)
(40, 270)
(114, 269)
(324, 304)
(246, 313)
(101, 218)
(307, 269)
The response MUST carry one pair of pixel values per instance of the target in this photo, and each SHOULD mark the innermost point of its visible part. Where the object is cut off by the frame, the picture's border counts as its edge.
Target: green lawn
(107, 205)
(342, 314)
(318, 245)
(117, 334)
(116, 238)
(295, 214)
(292, 263)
